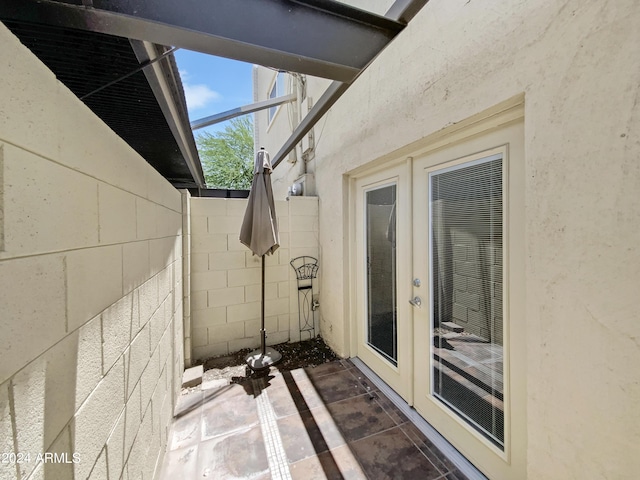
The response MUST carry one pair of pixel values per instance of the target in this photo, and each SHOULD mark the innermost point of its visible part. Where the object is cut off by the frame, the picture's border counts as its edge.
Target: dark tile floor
(313, 423)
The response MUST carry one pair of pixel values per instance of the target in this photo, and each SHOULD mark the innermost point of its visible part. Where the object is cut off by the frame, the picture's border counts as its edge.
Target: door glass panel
(465, 218)
(380, 217)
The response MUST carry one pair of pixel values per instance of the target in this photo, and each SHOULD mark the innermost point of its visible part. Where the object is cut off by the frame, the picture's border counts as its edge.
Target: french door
(440, 292)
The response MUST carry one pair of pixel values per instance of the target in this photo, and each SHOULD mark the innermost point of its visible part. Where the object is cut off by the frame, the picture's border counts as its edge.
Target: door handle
(416, 302)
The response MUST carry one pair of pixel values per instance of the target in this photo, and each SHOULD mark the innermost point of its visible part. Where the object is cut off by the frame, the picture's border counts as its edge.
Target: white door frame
(465, 138)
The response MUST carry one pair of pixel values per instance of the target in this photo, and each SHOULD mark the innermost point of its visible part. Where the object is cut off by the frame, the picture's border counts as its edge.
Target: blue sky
(213, 85)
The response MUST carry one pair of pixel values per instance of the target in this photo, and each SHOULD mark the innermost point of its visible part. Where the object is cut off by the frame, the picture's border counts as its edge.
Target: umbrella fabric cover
(259, 229)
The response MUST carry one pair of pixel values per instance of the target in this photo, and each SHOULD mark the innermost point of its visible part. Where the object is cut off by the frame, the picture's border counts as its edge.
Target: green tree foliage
(227, 156)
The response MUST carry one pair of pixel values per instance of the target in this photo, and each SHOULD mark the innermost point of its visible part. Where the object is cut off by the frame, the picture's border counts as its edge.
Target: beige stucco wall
(226, 276)
(90, 286)
(578, 66)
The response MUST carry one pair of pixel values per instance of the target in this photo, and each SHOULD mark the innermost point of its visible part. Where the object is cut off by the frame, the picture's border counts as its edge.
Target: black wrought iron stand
(306, 269)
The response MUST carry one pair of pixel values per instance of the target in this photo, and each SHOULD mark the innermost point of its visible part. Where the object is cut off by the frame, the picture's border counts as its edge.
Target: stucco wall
(578, 65)
(226, 276)
(90, 286)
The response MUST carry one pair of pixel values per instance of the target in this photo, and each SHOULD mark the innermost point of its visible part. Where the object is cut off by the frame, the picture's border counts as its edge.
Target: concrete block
(496, 289)
(29, 99)
(208, 206)
(6, 433)
(276, 306)
(165, 283)
(244, 276)
(236, 207)
(199, 337)
(277, 337)
(97, 417)
(115, 447)
(116, 330)
(243, 312)
(146, 224)
(284, 322)
(466, 269)
(160, 191)
(467, 299)
(284, 256)
(460, 253)
(45, 311)
(161, 253)
(241, 343)
(253, 293)
(62, 447)
(47, 207)
(208, 243)
(135, 265)
(211, 350)
(166, 343)
(209, 316)
(208, 280)
(227, 224)
(226, 332)
(148, 298)
(253, 261)
(226, 260)
(99, 471)
(192, 376)
(137, 358)
(149, 379)
(198, 300)
(460, 313)
(199, 225)
(460, 283)
(117, 210)
(277, 273)
(132, 420)
(169, 222)
(88, 367)
(496, 273)
(234, 244)
(157, 326)
(29, 406)
(199, 262)
(94, 281)
(304, 239)
(284, 239)
(226, 296)
(283, 289)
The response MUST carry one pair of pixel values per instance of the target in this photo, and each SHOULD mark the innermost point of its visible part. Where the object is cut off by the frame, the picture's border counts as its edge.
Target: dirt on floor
(232, 368)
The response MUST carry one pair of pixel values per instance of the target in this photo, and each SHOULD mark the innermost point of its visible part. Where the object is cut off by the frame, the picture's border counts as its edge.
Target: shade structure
(259, 232)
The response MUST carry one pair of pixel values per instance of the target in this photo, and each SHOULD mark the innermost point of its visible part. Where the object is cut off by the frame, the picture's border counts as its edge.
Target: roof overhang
(323, 38)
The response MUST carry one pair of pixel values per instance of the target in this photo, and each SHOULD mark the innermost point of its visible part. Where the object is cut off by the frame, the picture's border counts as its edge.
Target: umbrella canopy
(259, 232)
(259, 229)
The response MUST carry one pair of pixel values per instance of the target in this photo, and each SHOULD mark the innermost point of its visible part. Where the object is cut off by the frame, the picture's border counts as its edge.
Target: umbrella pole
(264, 357)
(263, 333)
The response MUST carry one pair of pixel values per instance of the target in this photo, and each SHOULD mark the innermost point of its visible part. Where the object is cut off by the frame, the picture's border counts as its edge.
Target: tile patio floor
(312, 423)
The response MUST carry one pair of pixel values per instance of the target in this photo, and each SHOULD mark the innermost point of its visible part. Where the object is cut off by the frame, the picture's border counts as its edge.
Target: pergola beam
(243, 110)
(323, 38)
(401, 11)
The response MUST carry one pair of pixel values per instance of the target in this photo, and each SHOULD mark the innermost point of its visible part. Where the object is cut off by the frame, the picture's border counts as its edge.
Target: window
(466, 230)
(277, 90)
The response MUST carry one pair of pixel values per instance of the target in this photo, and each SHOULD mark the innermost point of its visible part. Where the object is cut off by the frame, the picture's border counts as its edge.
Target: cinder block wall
(226, 276)
(90, 287)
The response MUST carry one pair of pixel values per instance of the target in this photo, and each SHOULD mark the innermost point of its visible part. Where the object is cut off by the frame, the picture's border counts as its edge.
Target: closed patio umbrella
(259, 232)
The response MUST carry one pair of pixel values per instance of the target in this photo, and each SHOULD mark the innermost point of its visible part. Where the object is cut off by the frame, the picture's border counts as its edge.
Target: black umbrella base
(257, 361)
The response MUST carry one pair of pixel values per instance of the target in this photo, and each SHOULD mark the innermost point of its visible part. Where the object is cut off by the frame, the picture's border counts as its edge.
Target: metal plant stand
(306, 269)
